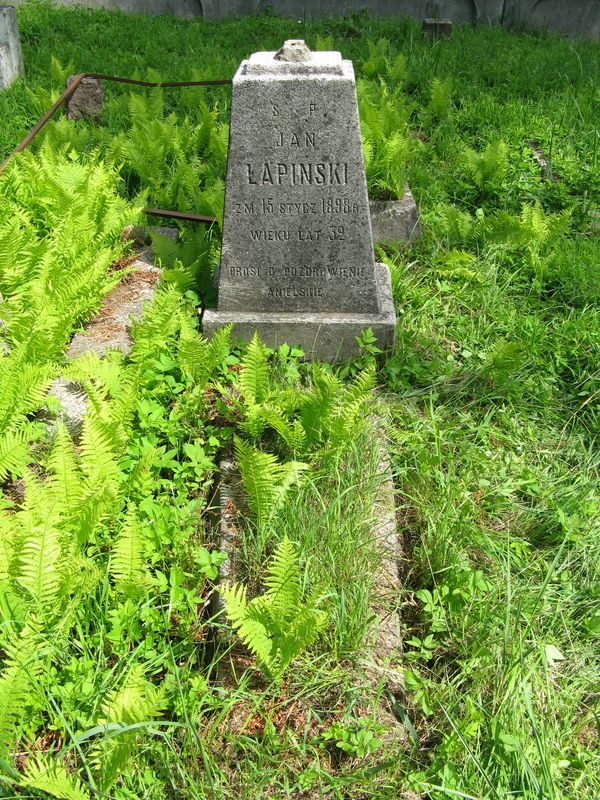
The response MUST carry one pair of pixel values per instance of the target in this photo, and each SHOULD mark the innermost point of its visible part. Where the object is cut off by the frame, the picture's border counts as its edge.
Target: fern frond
(193, 357)
(136, 701)
(361, 387)
(261, 472)
(14, 686)
(160, 323)
(320, 404)
(291, 475)
(65, 480)
(303, 631)
(254, 632)
(441, 97)
(249, 623)
(236, 602)
(19, 672)
(283, 582)
(14, 453)
(49, 775)
(128, 555)
(254, 375)
(488, 169)
(279, 624)
(9, 533)
(40, 556)
(261, 416)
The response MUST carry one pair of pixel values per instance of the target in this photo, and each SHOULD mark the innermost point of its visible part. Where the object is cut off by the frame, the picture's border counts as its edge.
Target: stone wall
(575, 17)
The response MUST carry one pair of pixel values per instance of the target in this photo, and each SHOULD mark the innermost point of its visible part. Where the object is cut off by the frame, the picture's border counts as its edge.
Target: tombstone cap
(293, 50)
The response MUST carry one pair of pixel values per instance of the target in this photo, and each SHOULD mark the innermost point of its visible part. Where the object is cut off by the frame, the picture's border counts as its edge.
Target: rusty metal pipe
(162, 212)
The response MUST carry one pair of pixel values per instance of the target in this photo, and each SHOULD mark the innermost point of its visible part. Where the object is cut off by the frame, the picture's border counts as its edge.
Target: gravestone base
(325, 336)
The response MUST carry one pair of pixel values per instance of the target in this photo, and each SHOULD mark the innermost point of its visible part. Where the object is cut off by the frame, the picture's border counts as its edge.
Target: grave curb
(109, 329)
(385, 633)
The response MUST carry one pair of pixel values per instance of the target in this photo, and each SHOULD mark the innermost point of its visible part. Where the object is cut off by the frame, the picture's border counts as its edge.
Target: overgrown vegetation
(110, 681)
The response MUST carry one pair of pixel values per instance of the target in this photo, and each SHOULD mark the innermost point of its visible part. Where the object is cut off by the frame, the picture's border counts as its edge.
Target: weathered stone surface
(297, 259)
(437, 28)
(87, 100)
(11, 56)
(142, 234)
(387, 627)
(293, 50)
(109, 330)
(395, 220)
(329, 337)
(73, 405)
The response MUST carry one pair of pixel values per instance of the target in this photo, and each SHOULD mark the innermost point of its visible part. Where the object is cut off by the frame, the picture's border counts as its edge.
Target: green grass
(491, 400)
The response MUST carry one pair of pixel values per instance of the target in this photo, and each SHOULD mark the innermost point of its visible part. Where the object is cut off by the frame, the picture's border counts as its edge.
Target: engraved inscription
(305, 139)
(295, 291)
(270, 236)
(245, 272)
(303, 173)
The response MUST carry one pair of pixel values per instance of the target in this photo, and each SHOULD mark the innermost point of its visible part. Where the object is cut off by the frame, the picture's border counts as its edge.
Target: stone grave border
(386, 629)
(109, 329)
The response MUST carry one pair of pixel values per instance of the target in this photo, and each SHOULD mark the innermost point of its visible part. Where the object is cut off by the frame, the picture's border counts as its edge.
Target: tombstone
(437, 28)
(297, 261)
(87, 101)
(11, 56)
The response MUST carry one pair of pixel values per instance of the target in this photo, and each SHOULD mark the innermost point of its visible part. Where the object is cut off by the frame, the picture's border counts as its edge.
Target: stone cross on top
(297, 260)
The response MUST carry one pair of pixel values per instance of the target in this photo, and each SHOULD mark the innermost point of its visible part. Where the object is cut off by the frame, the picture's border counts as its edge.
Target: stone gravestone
(11, 56)
(297, 260)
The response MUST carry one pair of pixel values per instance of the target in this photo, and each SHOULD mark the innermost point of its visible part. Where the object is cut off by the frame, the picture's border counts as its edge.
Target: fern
(441, 98)
(201, 360)
(160, 324)
(254, 374)
(320, 405)
(321, 419)
(14, 688)
(68, 215)
(502, 365)
(49, 775)
(266, 480)
(65, 479)
(128, 555)
(489, 168)
(283, 582)
(451, 224)
(136, 701)
(41, 551)
(19, 673)
(278, 625)
(13, 453)
(260, 417)
(387, 147)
